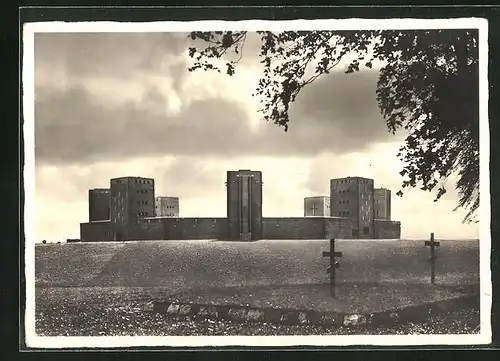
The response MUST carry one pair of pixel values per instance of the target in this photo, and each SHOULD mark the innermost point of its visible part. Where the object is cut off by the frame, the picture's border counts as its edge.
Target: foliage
(427, 87)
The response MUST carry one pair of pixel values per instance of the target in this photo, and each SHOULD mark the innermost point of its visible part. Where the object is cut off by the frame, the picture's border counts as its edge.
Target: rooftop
(132, 177)
(356, 177)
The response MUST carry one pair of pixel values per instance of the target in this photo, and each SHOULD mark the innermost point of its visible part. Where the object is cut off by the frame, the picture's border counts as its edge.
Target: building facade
(167, 207)
(382, 201)
(132, 215)
(244, 205)
(352, 197)
(132, 198)
(99, 204)
(317, 206)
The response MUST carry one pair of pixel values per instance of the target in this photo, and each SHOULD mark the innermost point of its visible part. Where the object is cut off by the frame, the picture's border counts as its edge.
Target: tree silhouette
(428, 86)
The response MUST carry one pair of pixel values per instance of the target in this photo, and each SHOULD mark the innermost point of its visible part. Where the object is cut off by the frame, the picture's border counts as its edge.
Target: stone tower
(99, 204)
(382, 197)
(317, 206)
(244, 205)
(131, 198)
(352, 197)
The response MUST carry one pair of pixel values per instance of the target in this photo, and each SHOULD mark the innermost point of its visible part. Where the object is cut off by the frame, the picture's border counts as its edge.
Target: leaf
(428, 87)
(227, 40)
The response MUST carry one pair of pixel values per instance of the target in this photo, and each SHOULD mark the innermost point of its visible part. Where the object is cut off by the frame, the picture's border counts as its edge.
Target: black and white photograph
(256, 183)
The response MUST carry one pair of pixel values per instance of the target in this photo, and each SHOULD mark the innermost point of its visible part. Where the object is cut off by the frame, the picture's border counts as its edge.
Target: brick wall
(365, 212)
(382, 203)
(99, 204)
(141, 198)
(147, 229)
(194, 228)
(352, 197)
(385, 229)
(97, 231)
(167, 207)
(119, 210)
(157, 229)
(337, 227)
(216, 228)
(294, 228)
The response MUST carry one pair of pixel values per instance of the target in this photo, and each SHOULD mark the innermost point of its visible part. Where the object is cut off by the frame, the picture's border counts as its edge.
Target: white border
(270, 341)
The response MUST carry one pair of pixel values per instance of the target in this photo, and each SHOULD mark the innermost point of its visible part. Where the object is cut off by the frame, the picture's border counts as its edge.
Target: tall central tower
(244, 205)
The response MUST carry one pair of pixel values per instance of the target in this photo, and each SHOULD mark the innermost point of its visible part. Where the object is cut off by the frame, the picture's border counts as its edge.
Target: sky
(124, 104)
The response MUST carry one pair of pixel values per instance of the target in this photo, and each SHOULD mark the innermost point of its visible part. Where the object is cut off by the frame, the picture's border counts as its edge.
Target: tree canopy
(428, 86)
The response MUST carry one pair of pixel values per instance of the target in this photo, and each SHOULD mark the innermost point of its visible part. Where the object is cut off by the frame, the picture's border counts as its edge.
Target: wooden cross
(334, 264)
(432, 244)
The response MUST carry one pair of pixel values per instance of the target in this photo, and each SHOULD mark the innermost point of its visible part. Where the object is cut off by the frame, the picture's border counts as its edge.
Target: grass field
(72, 264)
(91, 289)
(350, 297)
(184, 264)
(100, 311)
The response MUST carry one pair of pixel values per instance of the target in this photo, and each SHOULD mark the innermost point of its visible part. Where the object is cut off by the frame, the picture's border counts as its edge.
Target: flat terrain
(108, 288)
(350, 297)
(121, 312)
(181, 265)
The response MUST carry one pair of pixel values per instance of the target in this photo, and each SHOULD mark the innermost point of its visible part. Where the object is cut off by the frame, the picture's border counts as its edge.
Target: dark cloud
(107, 54)
(74, 126)
(337, 113)
(341, 108)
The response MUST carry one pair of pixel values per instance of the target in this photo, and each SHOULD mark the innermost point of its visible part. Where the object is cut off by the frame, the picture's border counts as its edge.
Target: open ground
(108, 288)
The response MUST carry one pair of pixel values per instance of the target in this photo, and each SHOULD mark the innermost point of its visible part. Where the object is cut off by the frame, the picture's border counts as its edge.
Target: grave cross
(432, 244)
(333, 265)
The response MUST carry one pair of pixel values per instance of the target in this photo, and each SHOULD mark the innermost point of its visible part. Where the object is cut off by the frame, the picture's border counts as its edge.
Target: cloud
(73, 126)
(345, 106)
(108, 54)
(189, 177)
(119, 104)
(418, 213)
(199, 183)
(379, 162)
(115, 104)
